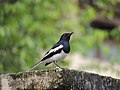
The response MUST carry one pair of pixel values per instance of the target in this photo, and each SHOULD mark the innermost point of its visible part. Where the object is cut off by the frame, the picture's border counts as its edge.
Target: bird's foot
(59, 68)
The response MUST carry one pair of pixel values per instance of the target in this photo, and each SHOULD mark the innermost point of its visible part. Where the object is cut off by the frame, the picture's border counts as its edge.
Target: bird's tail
(37, 64)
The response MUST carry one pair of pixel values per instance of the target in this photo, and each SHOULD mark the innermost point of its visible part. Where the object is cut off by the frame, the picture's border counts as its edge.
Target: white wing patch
(56, 57)
(54, 50)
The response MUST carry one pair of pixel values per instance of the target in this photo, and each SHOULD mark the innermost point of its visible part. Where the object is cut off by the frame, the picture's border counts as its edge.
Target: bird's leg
(57, 65)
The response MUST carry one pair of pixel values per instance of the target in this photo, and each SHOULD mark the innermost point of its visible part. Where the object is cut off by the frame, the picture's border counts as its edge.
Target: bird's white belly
(57, 57)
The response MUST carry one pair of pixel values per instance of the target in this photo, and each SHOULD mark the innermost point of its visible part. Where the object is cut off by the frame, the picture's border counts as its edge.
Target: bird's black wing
(57, 48)
(54, 50)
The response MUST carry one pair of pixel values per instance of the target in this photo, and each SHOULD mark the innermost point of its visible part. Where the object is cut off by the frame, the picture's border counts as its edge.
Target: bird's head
(66, 36)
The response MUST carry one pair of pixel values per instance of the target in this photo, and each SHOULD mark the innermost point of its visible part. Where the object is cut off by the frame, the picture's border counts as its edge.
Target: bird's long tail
(37, 64)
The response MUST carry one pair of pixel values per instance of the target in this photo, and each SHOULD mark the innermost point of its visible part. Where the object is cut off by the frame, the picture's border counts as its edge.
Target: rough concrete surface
(65, 79)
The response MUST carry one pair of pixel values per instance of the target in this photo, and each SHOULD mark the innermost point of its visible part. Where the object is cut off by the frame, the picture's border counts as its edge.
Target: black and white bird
(58, 52)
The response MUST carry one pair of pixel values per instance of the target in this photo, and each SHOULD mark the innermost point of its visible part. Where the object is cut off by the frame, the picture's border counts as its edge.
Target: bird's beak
(71, 33)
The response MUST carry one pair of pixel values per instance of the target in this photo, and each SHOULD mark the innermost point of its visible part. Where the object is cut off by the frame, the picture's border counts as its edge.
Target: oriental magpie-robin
(58, 52)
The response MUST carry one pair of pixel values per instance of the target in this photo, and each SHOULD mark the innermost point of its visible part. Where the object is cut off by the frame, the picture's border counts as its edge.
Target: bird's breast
(66, 48)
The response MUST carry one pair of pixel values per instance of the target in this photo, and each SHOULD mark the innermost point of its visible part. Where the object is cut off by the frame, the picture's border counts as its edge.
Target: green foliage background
(30, 27)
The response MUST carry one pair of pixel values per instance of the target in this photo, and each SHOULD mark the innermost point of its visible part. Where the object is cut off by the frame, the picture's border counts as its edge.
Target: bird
(58, 52)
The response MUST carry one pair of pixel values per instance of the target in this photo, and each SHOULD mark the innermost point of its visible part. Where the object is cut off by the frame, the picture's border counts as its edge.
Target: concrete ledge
(57, 80)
